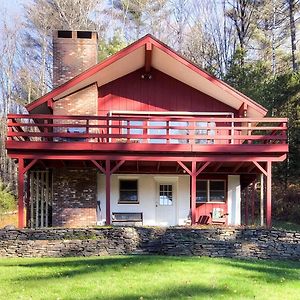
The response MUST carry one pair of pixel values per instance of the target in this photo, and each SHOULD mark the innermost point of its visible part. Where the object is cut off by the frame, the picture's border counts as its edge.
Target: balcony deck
(141, 134)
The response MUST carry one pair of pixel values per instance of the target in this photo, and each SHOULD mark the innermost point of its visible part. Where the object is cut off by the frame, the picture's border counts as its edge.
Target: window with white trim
(210, 191)
(128, 191)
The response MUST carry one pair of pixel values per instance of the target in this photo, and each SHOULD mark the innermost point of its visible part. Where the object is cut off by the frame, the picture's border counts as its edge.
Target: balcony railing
(139, 129)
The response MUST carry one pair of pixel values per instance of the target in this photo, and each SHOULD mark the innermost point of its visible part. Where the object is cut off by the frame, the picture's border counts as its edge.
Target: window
(201, 191)
(165, 194)
(217, 190)
(64, 34)
(128, 191)
(210, 191)
(84, 34)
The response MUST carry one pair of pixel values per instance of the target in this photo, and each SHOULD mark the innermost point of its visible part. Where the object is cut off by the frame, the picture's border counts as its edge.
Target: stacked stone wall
(216, 242)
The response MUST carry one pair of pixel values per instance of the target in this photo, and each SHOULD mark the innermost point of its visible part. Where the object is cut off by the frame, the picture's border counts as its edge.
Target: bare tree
(291, 11)
(211, 41)
(243, 13)
(9, 63)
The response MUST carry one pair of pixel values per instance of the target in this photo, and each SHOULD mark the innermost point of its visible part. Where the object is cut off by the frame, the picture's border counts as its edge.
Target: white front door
(166, 204)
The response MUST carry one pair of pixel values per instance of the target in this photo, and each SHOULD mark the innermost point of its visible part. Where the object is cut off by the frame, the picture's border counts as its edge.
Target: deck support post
(262, 199)
(21, 177)
(193, 192)
(107, 171)
(21, 222)
(107, 190)
(247, 206)
(253, 202)
(193, 173)
(269, 195)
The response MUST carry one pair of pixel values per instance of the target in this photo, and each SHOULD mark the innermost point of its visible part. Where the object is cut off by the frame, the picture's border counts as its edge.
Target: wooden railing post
(249, 132)
(46, 129)
(284, 133)
(168, 132)
(108, 140)
(87, 126)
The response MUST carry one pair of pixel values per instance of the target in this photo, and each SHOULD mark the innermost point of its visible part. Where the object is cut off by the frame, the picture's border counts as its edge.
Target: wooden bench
(127, 217)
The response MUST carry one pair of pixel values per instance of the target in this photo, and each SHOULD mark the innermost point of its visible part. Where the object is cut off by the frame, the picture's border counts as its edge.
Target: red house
(143, 137)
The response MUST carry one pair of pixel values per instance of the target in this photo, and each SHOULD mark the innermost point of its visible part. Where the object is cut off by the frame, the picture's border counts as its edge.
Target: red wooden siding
(204, 210)
(160, 93)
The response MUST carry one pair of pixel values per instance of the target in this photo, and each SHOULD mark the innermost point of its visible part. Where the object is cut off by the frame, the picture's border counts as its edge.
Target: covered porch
(236, 173)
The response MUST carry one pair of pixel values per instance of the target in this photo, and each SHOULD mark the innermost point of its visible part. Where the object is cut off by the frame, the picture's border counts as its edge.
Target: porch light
(146, 76)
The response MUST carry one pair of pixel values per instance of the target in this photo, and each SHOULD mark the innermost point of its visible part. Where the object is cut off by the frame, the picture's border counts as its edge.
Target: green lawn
(286, 225)
(148, 277)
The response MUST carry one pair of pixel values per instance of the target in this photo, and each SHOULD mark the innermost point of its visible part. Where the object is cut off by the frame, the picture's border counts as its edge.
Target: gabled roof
(162, 58)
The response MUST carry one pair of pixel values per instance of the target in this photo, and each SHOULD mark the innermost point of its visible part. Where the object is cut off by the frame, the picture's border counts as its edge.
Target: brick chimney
(73, 53)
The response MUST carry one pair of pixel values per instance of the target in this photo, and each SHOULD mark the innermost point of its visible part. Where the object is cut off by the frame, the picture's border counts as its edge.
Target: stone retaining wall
(215, 242)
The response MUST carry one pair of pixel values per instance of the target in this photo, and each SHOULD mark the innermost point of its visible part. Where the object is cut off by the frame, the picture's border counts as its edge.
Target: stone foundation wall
(238, 243)
(74, 197)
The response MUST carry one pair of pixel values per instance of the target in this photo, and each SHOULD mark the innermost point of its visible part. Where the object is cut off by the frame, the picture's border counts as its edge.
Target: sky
(12, 7)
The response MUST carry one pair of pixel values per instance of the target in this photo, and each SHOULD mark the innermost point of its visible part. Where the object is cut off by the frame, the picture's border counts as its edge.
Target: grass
(9, 219)
(147, 277)
(285, 225)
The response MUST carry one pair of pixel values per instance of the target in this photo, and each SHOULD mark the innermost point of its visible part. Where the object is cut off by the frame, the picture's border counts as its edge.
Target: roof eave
(122, 53)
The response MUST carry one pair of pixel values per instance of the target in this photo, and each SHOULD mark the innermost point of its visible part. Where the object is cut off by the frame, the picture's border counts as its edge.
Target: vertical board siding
(161, 93)
(205, 209)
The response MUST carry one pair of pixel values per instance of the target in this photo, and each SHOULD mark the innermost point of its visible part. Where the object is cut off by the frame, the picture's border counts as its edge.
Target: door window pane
(165, 194)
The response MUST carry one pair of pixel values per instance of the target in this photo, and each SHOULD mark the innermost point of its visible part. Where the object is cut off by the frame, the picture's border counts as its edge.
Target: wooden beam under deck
(127, 147)
(150, 157)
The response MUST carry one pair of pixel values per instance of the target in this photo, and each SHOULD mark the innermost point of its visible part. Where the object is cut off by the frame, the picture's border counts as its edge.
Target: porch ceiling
(155, 167)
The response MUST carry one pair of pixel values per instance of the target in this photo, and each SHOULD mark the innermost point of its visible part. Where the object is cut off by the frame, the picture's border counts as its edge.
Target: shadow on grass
(62, 268)
(174, 292)
(270, 271)
(69, 267)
